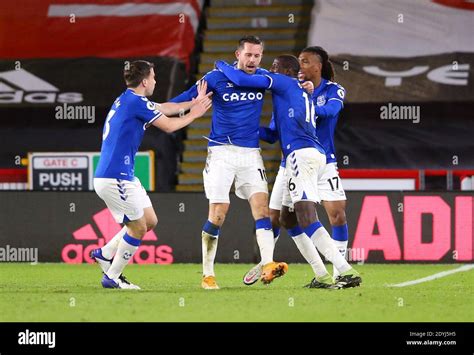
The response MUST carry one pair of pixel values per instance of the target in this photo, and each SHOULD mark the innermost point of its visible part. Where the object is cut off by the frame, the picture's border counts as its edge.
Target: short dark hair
(136, 71)
(249, 39)
(327, 72)
(290, 63)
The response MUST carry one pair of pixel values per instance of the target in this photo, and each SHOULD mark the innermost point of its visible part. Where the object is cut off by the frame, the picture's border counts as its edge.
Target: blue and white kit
(233, 148)
(114, 179)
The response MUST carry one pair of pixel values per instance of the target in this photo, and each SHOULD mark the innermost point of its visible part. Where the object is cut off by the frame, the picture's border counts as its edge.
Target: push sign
(59, 172)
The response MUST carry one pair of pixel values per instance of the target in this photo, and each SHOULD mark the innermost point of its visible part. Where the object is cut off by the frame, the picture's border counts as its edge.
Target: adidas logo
(18, 86)
(77, 253)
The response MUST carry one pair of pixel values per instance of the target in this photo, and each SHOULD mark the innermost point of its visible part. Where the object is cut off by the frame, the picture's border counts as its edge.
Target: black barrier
(383, 227)
(370, 338)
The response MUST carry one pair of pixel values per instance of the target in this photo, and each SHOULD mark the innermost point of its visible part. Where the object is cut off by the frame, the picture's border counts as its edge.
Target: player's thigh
(138, 197)
(218, 175)
(279, 186)
(288, 217)
(250, 176)
(330, 184)
(150, 217)
(141, 199)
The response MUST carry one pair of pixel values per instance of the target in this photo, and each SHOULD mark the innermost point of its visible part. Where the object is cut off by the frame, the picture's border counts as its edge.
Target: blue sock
(131, 240)
(276, 232)
(340, 233)
(313, 227)
(295, 231)
(263, 223)
(211, 228)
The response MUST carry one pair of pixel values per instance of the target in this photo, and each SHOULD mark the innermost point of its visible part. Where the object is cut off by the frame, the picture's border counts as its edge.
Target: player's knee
(305, 216)
(260, 211)
(151, 223)
(217, 213)
(304, 221)
(338, 217)
(286, 221)
(217, 217)
(137, 230)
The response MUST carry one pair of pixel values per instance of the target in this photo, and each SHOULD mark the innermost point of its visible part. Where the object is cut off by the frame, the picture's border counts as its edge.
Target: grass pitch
(172, 293)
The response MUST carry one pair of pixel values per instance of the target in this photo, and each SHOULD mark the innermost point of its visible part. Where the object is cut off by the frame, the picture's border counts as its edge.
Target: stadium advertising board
(383, 227)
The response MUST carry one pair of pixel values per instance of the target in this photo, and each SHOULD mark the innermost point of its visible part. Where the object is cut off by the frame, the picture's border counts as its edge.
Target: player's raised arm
(192, 92)
(240, 78)
(174, 108)
(334, 103)
(171, 124)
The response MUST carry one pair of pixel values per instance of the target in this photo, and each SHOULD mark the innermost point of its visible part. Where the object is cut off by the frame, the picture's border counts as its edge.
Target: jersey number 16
(310, 114)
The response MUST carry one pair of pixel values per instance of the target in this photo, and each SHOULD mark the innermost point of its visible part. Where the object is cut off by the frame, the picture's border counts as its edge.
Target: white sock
(109, 249)
(275, 240)
(342, 246)
(125, 251)
(209, 250)
(266, 244)
(327, 247)
(309, 252)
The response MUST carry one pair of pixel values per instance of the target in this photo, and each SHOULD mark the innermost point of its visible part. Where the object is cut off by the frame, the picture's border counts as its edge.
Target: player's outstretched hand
(202, 89)
(308, 86)
(201, 106)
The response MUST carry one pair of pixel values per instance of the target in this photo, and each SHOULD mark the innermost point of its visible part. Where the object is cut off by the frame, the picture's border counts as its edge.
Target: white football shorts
(303, 170)
(330, 185)
(125, 199)
(279, 187)
(228, 163)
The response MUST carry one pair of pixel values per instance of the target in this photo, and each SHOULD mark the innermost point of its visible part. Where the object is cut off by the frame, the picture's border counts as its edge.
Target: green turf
(60, 292)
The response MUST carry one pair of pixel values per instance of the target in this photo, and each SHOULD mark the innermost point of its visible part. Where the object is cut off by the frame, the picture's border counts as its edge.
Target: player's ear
(237, 54)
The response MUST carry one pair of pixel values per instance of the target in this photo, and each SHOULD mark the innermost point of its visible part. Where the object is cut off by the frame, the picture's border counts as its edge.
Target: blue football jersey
(328, 98)
(270, 135)
(236, 110)
(124, 127)
(293, 107)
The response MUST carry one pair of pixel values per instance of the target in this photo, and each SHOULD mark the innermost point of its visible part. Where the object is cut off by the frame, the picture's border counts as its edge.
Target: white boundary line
(434, 276)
